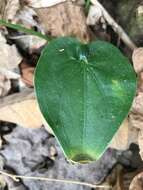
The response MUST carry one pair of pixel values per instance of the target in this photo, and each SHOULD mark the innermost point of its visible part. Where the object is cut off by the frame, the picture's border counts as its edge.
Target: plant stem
(25, 30)
(17, 177)
(87, 4)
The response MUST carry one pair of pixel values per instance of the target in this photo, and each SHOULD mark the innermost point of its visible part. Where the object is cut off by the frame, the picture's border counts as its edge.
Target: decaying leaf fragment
(94, 15)
(9, 8)
(136, 114)
(140, 141)
(27, 73)
(65, 19)
(9, 56)
(124, 136)
(9, 60)
(43, 3)
(27, 17)
(136, 118)
(138, 59)
(140, 82)
(4, 85)
(137, 182)
(21, 108)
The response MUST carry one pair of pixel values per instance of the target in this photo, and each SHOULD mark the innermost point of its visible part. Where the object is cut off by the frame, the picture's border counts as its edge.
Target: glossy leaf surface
(84, 91)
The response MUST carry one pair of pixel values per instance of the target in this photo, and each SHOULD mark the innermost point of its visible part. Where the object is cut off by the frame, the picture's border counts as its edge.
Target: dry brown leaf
(136, 119)
(137, 182)
(140, 82)
(29, 43)
(94, 15)
(10, 9)
(22, 108)
(66, 19)
(9, 74)
(2, 181)
(124, 136)
(43, 3)
(136, 114)
(9, 60)
(2, 8)
(5, 85)
(9, 56)
(28, 17)
(140, 142)
(27, 73)
(137, 106)
(138, 59)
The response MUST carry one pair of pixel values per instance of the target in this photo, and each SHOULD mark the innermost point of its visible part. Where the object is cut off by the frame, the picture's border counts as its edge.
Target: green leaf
(87, 5)
(25, 30)
(84, 91)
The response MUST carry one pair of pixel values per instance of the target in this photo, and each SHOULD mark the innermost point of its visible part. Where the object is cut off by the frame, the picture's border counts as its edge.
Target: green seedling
(84, 92)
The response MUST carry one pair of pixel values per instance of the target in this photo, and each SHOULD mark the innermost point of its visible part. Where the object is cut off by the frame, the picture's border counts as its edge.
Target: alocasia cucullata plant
(84, 91)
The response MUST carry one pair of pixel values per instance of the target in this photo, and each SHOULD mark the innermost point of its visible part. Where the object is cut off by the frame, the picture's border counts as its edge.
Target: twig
(17, 177)
(116, 27)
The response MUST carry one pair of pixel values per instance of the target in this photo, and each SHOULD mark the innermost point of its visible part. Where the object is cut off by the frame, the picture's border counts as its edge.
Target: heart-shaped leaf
(84, 92)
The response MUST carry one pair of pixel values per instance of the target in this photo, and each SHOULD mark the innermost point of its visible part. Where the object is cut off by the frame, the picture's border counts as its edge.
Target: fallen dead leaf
(124, 136)
(22, 108)
(65, 19)
(27, 17)
(137, 182)
(140, 82)
(9, 74)
(9, 60)
(10, 9)
(42, 3)
(137, 106)
(27, 73)
(5, 85)
(9, 56)
(136, 114)
(2, 182)
(29, 43)
(140, 142)
(136, 120)
(94, 15)
(138, 59)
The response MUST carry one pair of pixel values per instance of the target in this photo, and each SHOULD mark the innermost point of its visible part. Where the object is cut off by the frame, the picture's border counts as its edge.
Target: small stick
(17, 177)
(116, 27)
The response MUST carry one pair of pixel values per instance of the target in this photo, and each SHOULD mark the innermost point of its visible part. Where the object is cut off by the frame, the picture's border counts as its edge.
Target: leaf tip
(82, 158)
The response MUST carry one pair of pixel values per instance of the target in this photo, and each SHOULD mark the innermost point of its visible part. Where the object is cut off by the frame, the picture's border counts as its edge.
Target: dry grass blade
(17, 177)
